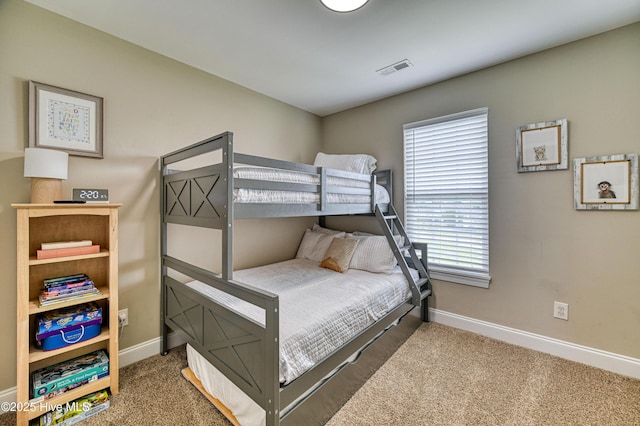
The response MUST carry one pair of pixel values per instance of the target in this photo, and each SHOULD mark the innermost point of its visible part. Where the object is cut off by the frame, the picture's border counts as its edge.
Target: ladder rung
(424, 294)
(422, 281)
(389, 217)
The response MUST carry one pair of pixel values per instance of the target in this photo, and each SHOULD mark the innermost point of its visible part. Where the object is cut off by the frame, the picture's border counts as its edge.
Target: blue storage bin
(66, 337)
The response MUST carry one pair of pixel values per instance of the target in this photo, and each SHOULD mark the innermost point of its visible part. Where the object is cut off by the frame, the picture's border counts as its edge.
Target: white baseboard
(125, 357)
(615, 363)
(609, 361)
(146, 349)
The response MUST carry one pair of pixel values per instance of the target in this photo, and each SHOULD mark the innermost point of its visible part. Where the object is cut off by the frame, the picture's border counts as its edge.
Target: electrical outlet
(561, 310)
(123, 316)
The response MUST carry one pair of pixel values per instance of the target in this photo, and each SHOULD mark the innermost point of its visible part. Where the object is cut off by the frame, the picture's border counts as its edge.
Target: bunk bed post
(424, 306)
(373, 193)
(272, 363)
(323, 189)
(163, 252)
(227, 229)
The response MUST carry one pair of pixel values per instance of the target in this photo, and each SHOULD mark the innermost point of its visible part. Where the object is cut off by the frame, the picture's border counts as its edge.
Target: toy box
(63, 374)
(67, 317)
(78, 410)
(64, 327)
(68, 336)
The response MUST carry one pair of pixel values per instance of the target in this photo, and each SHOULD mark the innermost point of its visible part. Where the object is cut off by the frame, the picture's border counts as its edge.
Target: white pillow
(315, 244)
(399, 238)
(357, 163)
(374, 254)
(318, 228)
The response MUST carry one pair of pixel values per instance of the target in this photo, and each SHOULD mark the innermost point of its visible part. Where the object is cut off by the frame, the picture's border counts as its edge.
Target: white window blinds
(447, 194)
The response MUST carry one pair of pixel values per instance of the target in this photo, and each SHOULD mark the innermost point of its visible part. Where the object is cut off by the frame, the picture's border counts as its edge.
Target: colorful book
(66, 290)
(64, 244)
(78, 298)
(69, 286)
(55, 296)
(51, 302)
(66, 280)
(71, 251)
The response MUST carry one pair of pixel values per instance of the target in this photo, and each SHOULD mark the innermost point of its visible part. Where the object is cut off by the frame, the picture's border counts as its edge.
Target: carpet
(440, 376)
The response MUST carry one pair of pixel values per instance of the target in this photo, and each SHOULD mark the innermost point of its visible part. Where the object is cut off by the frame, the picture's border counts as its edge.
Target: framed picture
(606, 183)
(542, 146)
(64, 119)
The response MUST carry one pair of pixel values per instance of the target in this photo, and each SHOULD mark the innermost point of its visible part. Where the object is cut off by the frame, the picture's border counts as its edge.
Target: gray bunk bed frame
(246, 352)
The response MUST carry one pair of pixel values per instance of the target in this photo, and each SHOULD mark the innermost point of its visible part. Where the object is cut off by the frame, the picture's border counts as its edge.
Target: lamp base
(45, 191)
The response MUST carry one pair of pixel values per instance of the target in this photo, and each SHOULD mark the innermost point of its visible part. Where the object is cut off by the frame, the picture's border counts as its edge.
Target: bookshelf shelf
(34, 261)
(35, 308)
(39, 223)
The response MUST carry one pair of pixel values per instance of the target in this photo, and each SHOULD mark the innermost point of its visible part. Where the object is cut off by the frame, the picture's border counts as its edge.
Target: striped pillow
(374, 254)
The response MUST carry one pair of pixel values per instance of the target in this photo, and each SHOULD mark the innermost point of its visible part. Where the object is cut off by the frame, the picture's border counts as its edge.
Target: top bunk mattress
(320, 310)
(246, 195)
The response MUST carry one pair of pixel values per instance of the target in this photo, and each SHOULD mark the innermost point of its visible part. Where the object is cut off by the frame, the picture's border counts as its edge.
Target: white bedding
(242, 195)
(319, 311)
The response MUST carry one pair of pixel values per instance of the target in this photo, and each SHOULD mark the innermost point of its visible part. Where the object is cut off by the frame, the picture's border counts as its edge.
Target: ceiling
(301, 53)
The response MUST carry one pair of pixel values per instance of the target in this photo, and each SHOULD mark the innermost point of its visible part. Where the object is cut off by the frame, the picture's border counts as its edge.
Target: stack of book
(70, 287)
(66, 248)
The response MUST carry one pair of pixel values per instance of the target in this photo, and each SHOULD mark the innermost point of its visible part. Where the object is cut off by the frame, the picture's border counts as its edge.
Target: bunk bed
(234, 326)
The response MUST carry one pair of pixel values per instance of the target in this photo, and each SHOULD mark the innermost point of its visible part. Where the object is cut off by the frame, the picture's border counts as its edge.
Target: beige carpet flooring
(440, 376)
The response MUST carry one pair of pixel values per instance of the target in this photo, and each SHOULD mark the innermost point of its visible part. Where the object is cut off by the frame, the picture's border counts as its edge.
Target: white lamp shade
(45, 163)
(344, 5)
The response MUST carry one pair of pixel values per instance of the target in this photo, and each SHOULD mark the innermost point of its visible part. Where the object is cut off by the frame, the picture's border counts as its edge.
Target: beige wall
(541, 249)
(153, 105)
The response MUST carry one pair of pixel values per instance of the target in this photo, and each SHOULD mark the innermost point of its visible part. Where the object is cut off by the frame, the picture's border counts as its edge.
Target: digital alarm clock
(91, 195)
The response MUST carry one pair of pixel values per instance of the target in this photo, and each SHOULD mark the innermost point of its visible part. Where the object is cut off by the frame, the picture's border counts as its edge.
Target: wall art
(606, 183)
(64, 119)
(542, 146)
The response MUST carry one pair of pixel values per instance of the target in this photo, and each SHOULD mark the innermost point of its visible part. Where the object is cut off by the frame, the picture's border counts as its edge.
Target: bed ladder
(421, 288)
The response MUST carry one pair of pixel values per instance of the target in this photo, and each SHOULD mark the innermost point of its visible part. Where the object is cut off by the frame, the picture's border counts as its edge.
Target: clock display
(89, 195)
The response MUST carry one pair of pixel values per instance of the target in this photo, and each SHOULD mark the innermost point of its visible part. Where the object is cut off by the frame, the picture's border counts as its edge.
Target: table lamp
(46, 168)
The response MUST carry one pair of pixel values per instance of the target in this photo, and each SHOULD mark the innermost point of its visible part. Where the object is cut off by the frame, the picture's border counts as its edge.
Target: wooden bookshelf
(38, 223)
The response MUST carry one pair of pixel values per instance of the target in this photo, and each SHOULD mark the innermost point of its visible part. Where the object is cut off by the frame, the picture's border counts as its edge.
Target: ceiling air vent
(398, 66)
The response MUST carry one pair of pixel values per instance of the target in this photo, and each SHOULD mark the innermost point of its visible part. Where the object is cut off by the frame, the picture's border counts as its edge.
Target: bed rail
(204, 196)
(244, 350)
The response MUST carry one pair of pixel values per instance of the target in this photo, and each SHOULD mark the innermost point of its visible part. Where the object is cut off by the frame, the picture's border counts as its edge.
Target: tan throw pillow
(339, 254)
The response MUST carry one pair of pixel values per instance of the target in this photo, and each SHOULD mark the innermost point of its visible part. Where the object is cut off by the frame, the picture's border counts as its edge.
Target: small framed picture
(64, 119)
(542, 146)
(606, 182)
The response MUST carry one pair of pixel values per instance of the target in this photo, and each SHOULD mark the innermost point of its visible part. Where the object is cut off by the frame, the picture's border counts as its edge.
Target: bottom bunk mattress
(320, 310)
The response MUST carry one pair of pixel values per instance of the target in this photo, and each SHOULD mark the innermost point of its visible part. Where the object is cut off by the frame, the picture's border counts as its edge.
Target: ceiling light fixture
(344, 5)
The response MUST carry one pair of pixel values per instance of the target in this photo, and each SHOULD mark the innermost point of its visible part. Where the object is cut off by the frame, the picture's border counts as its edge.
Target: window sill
(474, 279)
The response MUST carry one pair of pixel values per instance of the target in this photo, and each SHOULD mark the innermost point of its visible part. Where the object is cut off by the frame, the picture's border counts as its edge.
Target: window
(447, 194)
